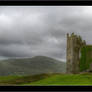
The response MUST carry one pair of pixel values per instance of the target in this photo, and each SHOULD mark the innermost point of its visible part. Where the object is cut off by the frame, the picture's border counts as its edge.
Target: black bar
(46, 3)
(46, 88)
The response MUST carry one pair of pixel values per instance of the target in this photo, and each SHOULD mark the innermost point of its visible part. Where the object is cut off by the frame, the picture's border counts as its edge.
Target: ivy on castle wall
(86, 58)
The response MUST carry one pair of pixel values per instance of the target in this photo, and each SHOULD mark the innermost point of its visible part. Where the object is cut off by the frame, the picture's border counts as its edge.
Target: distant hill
(31, 66)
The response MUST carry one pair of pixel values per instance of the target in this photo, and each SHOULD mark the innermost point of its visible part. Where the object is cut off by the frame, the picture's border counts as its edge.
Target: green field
(20, 80)
(66, 79)
(48, 79)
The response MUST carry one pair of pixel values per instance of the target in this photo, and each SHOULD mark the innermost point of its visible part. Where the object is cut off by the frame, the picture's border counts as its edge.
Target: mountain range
(31, 66)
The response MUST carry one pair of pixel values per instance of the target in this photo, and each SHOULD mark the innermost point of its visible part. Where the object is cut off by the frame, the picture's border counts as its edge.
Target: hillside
(20, 80)
(64, 79)
(48, 79)
(31, 66)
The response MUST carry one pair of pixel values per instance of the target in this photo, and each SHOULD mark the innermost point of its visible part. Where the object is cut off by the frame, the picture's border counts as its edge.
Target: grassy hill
(64, 79)
(19, 80)
(31, 66)
(48, 79)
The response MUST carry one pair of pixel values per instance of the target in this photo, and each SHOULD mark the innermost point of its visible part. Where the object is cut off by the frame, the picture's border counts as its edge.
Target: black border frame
(45, 3)
(45, 88)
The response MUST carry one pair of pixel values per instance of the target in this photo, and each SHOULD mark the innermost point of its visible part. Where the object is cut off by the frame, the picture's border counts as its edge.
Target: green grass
(4, 80)
(18, 80)
(7, 78)
(48, 80)
(65, 79)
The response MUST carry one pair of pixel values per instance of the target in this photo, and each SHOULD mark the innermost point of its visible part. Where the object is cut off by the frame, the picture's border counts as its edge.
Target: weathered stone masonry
(74, 44)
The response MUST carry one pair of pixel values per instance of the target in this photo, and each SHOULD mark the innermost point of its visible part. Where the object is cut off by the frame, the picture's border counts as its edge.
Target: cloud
(27, 31)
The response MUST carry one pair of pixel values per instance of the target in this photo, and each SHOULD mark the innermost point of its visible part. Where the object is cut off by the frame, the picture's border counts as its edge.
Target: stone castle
(73, 57)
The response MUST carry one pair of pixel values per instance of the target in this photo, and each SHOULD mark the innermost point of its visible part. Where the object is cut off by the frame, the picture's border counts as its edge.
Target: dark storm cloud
(27, 31)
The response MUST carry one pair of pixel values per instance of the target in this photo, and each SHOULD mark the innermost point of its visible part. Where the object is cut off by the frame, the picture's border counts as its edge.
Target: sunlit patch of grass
(66, 79)
(48, 79)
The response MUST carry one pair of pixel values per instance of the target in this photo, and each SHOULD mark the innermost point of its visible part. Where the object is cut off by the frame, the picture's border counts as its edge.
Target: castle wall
(74, 44)
(86, 58)
(69, 54)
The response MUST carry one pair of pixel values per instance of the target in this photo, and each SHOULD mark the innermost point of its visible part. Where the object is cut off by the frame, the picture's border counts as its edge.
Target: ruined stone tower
(74, 44)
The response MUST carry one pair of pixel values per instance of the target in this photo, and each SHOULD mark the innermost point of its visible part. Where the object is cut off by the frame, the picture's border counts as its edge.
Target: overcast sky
(27, 31)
